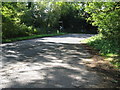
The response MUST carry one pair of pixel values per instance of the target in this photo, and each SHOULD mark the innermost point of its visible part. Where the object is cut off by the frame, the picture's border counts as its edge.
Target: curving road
(50, 62)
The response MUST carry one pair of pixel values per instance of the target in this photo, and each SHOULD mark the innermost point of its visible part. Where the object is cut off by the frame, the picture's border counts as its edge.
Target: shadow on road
(36, 64)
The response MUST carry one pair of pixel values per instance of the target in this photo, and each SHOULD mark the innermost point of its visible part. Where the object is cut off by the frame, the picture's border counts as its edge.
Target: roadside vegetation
(106, 48)
(106, 15)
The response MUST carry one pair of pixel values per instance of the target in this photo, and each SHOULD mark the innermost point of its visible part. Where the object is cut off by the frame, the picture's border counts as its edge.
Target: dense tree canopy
(28, 18)
(105, 15)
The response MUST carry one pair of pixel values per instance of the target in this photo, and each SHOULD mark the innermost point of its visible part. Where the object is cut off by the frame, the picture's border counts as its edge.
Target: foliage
(106, 48)
(29, 18)
(74, 18)
(106, 15)
(11, 24)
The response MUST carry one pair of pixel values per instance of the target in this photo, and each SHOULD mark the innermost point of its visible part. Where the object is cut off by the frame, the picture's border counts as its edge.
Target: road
(50, 62)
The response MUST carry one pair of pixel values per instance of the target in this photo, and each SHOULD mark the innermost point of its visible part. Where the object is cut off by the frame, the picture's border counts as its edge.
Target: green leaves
(105, 16)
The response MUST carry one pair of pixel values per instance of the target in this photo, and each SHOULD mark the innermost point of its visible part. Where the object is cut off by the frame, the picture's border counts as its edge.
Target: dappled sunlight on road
(70, 38)
(34, 63)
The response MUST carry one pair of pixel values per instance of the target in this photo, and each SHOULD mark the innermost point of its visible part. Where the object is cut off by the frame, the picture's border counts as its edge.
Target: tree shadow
(36, 64)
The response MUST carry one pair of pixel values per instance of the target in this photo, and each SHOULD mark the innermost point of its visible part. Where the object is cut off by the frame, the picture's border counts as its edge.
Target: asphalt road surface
(50, 62)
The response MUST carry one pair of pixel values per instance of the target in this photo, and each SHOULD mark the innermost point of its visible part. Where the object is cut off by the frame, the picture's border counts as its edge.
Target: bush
(104, 45)
(11, 30)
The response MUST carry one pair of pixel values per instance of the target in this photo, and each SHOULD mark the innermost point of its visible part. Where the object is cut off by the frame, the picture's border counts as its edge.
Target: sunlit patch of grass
(29, 37)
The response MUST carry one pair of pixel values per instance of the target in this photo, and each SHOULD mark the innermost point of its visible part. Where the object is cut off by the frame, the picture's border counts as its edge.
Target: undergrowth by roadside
(106, 48)
(29, 37)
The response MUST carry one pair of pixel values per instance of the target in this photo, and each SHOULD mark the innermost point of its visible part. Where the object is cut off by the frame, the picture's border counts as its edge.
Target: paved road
(48, 63)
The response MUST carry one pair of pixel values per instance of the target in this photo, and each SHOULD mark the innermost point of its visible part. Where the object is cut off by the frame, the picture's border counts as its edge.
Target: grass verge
(106, 48)
(29, 37)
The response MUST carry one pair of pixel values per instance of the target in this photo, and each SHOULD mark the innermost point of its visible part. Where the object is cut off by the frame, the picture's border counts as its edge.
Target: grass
(29, 37)
(106, 48)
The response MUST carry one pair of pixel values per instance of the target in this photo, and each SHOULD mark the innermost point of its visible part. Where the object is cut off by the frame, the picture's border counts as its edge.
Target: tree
(106, 15)
(12, 25)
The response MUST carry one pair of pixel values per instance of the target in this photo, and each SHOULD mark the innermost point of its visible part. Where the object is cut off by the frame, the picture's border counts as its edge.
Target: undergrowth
(106, 47)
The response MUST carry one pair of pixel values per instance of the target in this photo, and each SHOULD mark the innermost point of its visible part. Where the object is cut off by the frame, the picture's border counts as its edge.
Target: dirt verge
(100, 64)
